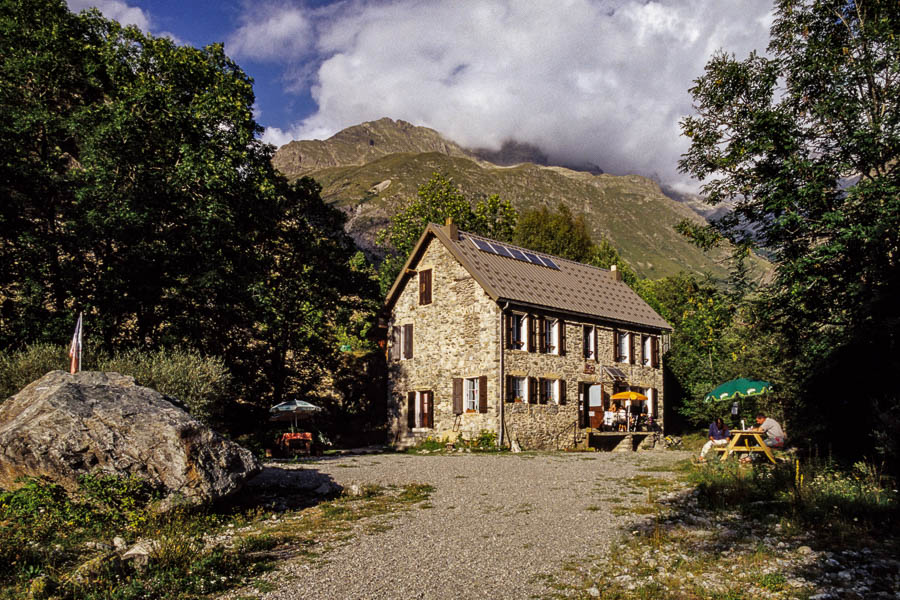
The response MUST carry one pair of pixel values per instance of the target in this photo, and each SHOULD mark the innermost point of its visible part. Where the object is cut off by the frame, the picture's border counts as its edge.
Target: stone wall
(457, 335)
(549, 426)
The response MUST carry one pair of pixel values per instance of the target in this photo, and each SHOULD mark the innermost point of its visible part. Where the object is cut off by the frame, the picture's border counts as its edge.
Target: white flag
(75, 348)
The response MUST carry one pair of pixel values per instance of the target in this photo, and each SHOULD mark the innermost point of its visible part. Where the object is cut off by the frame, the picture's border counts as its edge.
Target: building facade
(489, 336)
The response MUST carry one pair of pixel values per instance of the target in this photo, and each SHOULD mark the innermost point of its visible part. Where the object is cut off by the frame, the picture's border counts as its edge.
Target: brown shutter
(562, 337)
(631, 339)
(654, 406)
(395, 343)
(616, 356)
(596, 344)
(457, 396)
(532, 390)
(482, 394)
(585, 340)
(654, 352)
(411, 409)
(562, 391)
(425, 287)
(530, 345)
(585, 398)
(408, 341)
(542, 391)
(542, 334)
(509, 390)
(510, 330)
(429, 410)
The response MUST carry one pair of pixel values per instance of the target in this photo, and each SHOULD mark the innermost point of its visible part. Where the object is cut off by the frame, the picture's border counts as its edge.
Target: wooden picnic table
(740, 442)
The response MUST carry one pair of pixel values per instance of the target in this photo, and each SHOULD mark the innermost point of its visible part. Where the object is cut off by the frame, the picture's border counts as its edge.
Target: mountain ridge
(373, 169)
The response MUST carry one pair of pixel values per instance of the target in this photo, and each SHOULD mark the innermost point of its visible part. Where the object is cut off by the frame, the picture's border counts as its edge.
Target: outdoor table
(745, 436)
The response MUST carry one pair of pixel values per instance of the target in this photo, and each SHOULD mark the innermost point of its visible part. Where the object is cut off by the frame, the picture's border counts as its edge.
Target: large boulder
(64, 425)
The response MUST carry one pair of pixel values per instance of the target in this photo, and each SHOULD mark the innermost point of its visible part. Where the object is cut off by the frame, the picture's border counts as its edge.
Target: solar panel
(517, 254)
(550, 263)
(482, 245)
(502, 250)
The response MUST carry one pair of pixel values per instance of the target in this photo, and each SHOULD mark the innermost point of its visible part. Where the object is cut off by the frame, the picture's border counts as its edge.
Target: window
(623, 347)
(518, 331)
(646, 350)
(517, 389)
(589, 342)
(420, 409)
(470, 399)
(548, 391)
(550, 336)
(425, 287)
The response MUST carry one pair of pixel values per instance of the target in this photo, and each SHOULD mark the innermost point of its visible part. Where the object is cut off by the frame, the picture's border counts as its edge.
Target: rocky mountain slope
(371, 170)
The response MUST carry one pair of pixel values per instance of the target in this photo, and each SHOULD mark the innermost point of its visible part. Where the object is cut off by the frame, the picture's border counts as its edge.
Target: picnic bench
(747, 441)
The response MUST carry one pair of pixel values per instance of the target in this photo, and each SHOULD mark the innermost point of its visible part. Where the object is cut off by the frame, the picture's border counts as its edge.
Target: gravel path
(496, 522)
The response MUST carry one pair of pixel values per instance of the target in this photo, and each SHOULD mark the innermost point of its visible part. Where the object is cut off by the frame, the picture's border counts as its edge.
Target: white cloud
(603, 81)
(279, 33)
(116, 10)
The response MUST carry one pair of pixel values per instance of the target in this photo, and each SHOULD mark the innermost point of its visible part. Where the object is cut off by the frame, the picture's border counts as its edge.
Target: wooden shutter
(532, 390)
(616, 357)
(631, 340)
(411, 409)
(510, 331)
(395, 343)
(562, 337)
(408, 341)
(509, 389)
(425, 287)
(530, 345)
(596, 344)
(542, 334)
(482, 394)
(542, 393)
(562, 391)
(429, 409)
(654, 352)
(457, 396)
(585, 340)
(654, 412)
(585, 404)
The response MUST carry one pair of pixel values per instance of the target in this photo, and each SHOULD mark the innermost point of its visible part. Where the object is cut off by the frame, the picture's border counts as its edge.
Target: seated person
(774, 432)
(718, 436)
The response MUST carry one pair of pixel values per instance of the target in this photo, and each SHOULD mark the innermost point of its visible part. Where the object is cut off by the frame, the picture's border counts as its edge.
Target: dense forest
(136, 190)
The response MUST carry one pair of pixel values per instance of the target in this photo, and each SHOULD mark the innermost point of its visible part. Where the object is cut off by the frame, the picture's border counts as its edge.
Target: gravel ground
(496, 523)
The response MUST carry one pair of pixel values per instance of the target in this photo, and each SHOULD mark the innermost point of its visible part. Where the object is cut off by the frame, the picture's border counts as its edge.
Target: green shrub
(202, 383)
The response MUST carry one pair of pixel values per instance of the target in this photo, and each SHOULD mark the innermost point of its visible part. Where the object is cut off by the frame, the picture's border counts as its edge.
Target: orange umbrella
(628, 396)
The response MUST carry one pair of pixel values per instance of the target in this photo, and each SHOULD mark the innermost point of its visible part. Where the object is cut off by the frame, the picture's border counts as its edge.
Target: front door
(595, 408)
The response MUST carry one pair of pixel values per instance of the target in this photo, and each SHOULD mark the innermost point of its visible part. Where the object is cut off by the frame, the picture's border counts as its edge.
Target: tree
(805, 144)
(135, 189)
(437, 200)
(563, 234)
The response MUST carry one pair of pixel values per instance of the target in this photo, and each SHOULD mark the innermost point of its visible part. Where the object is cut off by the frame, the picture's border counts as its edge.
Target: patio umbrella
(739, 388)
(290, 410)
(628, 396)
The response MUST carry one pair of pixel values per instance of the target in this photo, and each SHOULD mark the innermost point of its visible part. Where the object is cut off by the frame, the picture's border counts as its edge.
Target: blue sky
(600, 81)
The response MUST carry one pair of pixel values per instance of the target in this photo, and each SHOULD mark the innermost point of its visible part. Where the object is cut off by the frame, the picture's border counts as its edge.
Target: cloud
(601, 81)
(276, 33)
(114, 9)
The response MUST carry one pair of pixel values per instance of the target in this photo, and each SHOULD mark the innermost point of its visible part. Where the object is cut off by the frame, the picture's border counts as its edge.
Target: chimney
(616, 274)
(451, 229)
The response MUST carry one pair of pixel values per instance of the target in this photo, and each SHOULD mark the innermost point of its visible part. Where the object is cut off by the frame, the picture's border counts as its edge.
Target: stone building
(488, 336)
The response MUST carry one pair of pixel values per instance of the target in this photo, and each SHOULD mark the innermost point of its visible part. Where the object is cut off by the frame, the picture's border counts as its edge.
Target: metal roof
(573, 288)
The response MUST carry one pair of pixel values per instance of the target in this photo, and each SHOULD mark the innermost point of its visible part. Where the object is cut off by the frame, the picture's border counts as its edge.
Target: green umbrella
(739, 388)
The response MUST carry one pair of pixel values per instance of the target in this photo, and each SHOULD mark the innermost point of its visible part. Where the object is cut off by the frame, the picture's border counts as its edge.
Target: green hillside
(630, 211)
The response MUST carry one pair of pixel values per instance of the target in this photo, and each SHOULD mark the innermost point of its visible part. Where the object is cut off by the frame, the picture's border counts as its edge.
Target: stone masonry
(460, 334)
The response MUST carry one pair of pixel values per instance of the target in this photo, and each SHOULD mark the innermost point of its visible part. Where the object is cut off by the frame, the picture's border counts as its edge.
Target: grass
(57, 545)
(744, 533)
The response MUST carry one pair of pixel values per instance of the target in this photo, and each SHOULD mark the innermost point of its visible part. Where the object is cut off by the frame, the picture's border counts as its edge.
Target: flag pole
(75, 348)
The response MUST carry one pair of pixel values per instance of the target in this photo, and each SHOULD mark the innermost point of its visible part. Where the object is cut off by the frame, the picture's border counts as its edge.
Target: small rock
(594, 592)
(119, 543)
(804, 550)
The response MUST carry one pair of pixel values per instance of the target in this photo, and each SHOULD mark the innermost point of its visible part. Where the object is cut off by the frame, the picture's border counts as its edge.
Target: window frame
(626, 357)
(520, 327)
(589, 342)
(470, 394)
